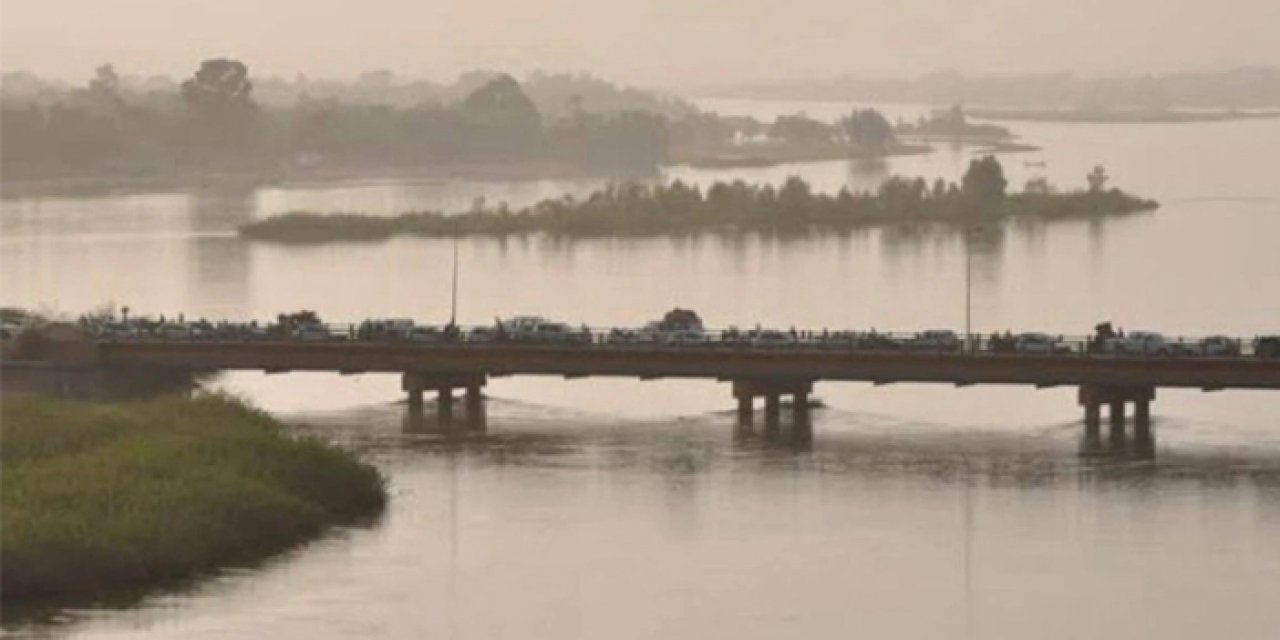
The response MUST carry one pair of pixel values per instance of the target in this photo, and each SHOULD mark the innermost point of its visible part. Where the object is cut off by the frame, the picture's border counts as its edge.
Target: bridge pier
(444, 404)
(475, 407)
(745, 411)
(416, 383)
(1093, 419)
(772, 412)
(772, 391)
(1092, 397)
(1116, 414)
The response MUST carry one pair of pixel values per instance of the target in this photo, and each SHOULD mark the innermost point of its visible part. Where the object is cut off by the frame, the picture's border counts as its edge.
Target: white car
(684, 337)
(1140, 343)
(1038, 343)
(556, 332)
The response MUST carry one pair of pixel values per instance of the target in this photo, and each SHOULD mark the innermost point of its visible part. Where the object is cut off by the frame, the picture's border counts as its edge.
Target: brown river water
(625, 509)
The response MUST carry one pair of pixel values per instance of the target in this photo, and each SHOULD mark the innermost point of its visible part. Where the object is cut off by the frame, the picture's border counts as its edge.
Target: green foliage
(100, 497)
(642, 209)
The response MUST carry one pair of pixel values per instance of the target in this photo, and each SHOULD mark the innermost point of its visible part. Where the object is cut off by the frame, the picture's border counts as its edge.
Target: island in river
(631, 209)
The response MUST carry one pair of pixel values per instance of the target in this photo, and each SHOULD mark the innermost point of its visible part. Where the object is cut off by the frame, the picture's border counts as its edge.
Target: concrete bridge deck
(768, 372)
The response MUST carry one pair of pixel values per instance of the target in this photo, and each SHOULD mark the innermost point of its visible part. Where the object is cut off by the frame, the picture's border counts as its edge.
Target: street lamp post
(968, 294)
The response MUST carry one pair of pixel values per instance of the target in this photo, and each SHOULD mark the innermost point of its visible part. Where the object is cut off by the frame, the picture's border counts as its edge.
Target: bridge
(754, 371)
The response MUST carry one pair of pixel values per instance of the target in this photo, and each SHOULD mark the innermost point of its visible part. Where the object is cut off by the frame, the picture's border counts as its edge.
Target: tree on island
(800, 129)
(868, 129)
(984, 181)
(1097, 179)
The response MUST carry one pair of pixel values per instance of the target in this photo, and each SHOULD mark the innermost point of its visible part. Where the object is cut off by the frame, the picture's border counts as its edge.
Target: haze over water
(625, 509)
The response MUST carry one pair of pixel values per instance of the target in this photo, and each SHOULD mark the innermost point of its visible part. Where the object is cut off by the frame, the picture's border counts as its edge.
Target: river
(627, 509)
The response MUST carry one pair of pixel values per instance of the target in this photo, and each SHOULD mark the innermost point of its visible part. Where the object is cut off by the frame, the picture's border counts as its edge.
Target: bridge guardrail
(758, 338)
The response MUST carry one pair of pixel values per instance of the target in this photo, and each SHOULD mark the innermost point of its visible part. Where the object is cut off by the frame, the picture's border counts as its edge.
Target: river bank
(100, 498)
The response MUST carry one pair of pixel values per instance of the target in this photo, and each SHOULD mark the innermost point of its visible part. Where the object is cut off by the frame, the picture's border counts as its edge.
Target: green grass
(96, 498)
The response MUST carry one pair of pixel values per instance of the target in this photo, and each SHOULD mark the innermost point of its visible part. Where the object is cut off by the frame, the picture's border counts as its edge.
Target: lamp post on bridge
(968, 294)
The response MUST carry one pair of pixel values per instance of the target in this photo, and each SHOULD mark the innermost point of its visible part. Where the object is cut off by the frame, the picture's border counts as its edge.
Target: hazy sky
(656, 42)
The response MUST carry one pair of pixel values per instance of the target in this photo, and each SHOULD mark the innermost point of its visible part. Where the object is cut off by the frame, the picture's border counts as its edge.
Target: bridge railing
(976, 345)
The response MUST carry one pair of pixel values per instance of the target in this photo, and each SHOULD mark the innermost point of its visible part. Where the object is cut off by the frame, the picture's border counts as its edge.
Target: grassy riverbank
(103, 497)
(638, 209)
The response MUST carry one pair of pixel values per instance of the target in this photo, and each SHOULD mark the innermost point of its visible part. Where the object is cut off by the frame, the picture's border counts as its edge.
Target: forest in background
(222, 121)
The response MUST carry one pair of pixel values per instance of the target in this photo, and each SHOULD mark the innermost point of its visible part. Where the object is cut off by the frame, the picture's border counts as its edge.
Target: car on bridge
(935, 340)
(684, 337)
(1267, 347)
(1212, 346)
(541, 330)
(771, 338)
(1042, 343)
(1148, 343)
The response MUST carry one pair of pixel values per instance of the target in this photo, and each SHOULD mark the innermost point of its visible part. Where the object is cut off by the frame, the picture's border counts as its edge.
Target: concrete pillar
(415, 401)
(745, 411)
(772, 411)
(475, 407)
(1142, 419)
(1092, 418)
(800, 407)
(1117, 418)
(802, 426)
(444, 404)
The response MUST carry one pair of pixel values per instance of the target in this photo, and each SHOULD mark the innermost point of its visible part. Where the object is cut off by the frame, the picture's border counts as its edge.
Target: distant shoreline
(765, 156)
(12, 188)
(1117, 116)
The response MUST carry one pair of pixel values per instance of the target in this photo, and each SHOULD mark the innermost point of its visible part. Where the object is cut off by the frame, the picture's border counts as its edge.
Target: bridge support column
(415, 401)
(1142, 419)
(1116, 413)
(1093, 418)
(1092, 397)
(475, 407)
(772, 412)
(745, 411)
(802, 426)
(444, 404)
(418, 382)
(772, 390)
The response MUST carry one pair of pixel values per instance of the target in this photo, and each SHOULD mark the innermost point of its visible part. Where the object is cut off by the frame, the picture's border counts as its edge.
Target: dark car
(1267, 347)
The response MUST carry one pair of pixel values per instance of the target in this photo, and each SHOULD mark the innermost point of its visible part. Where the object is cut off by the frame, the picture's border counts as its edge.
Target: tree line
(218, 120)
(663, 209)
(213, 121)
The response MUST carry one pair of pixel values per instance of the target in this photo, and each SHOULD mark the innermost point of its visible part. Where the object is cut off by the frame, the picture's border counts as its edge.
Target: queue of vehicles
(679, 328)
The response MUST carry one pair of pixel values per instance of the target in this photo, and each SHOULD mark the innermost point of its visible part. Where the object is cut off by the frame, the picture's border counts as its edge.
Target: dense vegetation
(104, 497)
(221, 124)
(639, 209)
(214, 123)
